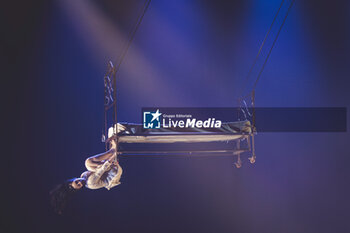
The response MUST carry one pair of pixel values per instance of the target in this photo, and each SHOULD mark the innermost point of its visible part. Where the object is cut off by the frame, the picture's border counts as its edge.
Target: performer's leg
(93, 162)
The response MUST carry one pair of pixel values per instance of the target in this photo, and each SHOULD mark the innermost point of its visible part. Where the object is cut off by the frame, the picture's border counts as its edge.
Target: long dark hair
(60, 195)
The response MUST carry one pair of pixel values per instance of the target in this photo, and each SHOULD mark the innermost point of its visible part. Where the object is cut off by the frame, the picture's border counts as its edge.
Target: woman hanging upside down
(103, 171)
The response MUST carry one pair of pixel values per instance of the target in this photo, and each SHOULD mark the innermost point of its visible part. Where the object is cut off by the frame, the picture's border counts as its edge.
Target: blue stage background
(185, 54)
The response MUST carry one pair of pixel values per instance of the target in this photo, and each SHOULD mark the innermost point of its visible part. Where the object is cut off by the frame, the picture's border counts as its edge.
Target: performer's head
(77, 183)
(61, 194)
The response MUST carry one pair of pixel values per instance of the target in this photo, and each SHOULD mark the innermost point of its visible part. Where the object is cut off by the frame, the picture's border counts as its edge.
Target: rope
(273, 44)
(263, 43)
(252, 93)
(140, 18)
(131, 37)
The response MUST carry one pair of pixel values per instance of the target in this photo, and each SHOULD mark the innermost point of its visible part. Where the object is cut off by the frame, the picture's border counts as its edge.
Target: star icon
(156, 115)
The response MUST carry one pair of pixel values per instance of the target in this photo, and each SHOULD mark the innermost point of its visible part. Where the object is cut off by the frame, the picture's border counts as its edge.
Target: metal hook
(252, 159)
(239, 161)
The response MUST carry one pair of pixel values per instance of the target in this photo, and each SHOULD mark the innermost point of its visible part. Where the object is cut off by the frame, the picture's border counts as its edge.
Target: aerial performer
(103, 171)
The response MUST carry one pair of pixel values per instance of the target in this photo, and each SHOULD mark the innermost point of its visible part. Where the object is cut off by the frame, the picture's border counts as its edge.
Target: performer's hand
(112, 158)
(115, 162)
